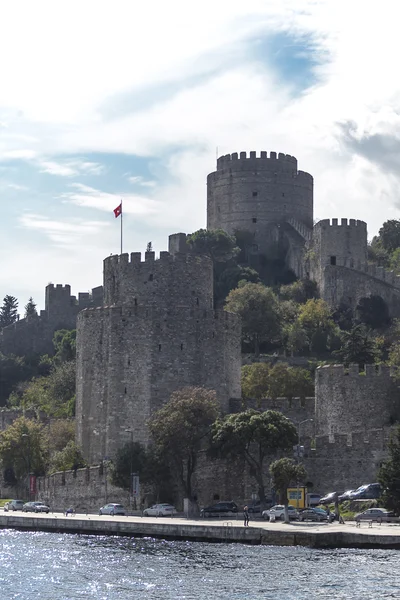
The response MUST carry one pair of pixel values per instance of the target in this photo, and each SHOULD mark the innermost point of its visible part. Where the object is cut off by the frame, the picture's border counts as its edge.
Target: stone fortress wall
(256, 193)
(156, 331)
(34, 335)
(159, 334)
(337, 261)
(350, 400)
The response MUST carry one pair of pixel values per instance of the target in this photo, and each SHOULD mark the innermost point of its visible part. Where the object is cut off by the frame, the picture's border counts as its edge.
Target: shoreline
(328, 536)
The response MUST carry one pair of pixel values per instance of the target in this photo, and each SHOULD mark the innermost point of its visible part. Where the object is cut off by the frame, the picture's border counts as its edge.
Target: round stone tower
(156, 334)
(250, 193)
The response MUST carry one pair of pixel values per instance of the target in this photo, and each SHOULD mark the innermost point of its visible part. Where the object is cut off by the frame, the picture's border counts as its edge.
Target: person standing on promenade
(246, 516)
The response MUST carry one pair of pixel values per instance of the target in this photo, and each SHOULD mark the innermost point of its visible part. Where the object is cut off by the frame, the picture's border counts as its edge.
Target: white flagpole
(122, 214)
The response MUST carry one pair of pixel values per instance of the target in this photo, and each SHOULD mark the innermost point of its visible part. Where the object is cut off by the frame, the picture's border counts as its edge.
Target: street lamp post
(26, 435)
(133, 507)
(299, 452)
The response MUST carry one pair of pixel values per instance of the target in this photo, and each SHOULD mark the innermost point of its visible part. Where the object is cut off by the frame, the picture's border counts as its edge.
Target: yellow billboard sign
(297, 496)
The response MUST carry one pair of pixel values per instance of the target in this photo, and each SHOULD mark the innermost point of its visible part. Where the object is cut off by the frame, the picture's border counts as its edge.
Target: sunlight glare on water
(68, 567)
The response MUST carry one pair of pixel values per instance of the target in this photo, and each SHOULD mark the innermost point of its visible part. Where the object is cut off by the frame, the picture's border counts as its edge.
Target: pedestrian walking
(246, 516)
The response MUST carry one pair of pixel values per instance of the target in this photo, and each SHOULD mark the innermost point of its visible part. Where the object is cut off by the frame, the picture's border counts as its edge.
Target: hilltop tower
(258, 194)
(156, 333)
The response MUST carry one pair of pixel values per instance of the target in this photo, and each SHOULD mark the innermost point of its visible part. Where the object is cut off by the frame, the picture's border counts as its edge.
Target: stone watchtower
(334, 246)
(257, 194)
(156, 333)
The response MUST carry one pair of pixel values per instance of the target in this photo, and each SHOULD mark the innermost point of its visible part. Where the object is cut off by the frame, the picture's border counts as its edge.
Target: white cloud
(138, 180)
(70, 168)
(100, 56)
(63, 233)
(88, 197)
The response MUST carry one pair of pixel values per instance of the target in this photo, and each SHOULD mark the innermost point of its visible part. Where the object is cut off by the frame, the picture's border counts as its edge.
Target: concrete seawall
(321, 536)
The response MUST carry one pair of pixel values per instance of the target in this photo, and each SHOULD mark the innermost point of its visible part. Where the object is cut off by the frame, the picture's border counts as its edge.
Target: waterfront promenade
(315, 535)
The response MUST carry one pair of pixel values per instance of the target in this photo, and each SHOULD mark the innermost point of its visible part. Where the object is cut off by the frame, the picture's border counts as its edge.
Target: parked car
(279, 512)
(374, 514)
(219, 509)
(255, 505)
(345, 495)
(112, 509)
(329, 498)
(313, 499)
(160, 510)
(35, 507)
(13, 505)
(313, 514)
(367, 492)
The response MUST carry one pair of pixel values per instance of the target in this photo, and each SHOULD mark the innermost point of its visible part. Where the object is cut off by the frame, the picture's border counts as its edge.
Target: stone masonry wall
(131, 358)
(85, 489)
(345, 285)
(341, 462)
(254, 193)
(172, 280)
(349, 401)
(34, 335)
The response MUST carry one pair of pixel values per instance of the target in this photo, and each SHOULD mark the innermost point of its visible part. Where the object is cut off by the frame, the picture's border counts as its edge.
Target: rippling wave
(68, 567)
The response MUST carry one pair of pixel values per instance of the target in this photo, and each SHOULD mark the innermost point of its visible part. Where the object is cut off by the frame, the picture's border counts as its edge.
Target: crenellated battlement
(231, 159)
(165, 258)
(301, 228)
(384, 275)
(285, 405)
(153, 313)
(343, 223)
(171, 280)
(337, 443)
(353, 370)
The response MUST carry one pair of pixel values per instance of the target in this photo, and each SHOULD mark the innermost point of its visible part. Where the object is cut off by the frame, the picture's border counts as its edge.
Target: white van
(313, 499)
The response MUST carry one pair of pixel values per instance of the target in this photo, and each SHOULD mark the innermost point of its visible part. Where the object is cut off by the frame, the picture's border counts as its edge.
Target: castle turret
(349, 401)
(250, 193)
(156, 333)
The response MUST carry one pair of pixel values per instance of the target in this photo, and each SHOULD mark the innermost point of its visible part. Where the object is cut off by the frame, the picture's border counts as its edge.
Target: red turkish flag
(118, 210)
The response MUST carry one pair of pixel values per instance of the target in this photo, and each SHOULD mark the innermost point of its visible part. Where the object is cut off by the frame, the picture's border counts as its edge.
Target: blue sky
(110, 100)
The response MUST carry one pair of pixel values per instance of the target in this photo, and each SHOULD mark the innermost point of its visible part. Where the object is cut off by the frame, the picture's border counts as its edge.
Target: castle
(152, 329)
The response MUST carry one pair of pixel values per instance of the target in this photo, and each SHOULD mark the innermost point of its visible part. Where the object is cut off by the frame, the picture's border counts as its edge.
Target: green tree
(373, 311)
(253, 436)
(261, 380)
(295, 338)
(389, 235)
(13, 370)
(179, 430)
(358, 346)
(69, 458)
(216, 243)
(130, 458)
(377, 253)
(23, 448)
(286, 472)
(315, 317)
(255, 380)
(9, 311)
(299, 291)
(64, 342)
(258, 307)
(228, 277)
(394, 262)
(54, 394)
(30, 308)
(389, 474)
(151, 466)
(60, 433)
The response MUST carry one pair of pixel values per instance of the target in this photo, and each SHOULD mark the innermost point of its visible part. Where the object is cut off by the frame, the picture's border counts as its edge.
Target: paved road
(392, 529)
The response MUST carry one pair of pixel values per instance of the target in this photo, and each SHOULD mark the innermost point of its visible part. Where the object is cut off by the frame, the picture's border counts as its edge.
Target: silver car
(160, 510)
(112, 509)
(374, 514)
(278, 511)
